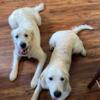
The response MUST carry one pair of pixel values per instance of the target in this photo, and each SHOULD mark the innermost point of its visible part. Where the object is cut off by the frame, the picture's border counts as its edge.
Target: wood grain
(58, 15)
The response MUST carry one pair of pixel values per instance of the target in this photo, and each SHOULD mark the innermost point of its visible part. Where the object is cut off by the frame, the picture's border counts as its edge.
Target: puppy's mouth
(23, 51)
(54, 99)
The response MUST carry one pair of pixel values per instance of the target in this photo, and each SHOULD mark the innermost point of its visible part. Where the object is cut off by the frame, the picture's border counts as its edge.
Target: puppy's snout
(23, 45)
(57, 94)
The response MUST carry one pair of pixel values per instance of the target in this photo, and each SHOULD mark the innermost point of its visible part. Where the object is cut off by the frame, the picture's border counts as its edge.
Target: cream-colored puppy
(55, 76)
(26, 37)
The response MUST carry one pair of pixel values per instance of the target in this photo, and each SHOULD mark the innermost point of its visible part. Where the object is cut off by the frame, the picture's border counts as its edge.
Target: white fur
(64, 43)
(25, 21)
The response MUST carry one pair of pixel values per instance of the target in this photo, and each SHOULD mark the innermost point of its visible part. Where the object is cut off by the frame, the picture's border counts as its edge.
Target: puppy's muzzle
(23, 48)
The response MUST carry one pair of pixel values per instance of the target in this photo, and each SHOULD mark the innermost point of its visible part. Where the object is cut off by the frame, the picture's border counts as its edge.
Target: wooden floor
(58, 15)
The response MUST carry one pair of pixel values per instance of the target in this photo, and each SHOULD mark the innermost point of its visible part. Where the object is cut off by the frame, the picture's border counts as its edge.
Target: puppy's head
(22, 39)
(57, 81)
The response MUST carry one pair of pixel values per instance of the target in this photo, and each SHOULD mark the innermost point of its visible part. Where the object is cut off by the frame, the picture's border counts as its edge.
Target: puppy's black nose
(57, 94)
(23, 45)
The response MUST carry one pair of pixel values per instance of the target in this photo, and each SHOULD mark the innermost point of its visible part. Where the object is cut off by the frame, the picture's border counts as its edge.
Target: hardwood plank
(58, 15)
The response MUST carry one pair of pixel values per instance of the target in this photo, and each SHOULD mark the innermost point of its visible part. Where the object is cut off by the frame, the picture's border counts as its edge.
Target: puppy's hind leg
(36, 14)
(79, 48)
(37, 18)
(38, 8)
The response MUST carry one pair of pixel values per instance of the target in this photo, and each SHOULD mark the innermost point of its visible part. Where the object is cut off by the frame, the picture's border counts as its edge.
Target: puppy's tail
(39, 7)
(81, 27)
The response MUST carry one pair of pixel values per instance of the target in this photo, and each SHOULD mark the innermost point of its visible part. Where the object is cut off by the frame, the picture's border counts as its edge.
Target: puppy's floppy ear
(67, 86)
(31, 32)
(13, 32)
(43, 80)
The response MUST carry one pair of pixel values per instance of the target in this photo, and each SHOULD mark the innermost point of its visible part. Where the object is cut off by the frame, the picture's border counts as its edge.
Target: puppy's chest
(29, 55)
(32, 54)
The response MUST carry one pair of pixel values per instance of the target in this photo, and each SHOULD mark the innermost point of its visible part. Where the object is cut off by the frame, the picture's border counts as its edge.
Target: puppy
(55, 76)
(26, 37)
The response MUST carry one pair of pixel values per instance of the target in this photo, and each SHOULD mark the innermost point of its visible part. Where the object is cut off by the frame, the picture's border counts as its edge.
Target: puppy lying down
(55, 76)
(24, 23)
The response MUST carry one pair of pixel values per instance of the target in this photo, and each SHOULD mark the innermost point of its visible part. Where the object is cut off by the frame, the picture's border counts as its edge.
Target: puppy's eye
(16, 36)
(26, 35)
(50, 78)
(62, 79)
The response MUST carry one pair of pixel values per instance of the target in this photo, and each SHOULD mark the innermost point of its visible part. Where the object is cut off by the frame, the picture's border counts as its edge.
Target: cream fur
(24, 24)
(64, 43)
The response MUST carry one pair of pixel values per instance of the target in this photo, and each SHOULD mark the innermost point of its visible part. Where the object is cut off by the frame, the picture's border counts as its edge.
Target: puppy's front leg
(37, 92)
(14, 70)
(41, 59)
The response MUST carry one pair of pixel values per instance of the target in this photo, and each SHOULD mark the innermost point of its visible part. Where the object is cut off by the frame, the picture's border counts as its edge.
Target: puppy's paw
(34, 83)
(33, 98)
(51, 50)
(12, 75)
(84, 52)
